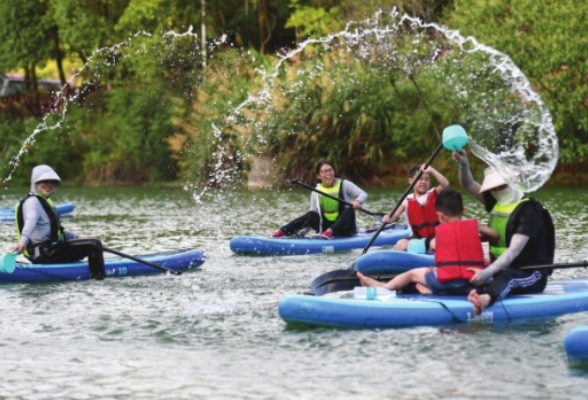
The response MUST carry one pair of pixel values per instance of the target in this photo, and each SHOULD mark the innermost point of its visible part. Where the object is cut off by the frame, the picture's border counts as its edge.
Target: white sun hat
(44, 173)
(491, 180)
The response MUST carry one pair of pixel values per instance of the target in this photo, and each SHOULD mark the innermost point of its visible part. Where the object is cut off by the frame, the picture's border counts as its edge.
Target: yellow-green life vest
(499, 217)
(330, 207)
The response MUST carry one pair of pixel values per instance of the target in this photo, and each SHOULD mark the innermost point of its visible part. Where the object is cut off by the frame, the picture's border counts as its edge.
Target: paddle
(118, 253)
(346, 279)
(454, 138)
(557, 266)
(8, 263)
(377, 217)
(340, 280)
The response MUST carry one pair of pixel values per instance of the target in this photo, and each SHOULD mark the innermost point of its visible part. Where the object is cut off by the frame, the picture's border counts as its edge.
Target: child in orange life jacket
(458, 251)
(419, 207)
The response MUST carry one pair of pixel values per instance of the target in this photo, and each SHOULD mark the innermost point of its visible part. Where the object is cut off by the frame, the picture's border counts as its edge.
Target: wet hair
(413, 171)
(449, 202)
(320, 164)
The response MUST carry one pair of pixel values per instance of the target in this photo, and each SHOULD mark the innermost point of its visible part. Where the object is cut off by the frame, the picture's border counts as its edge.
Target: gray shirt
(37, 225)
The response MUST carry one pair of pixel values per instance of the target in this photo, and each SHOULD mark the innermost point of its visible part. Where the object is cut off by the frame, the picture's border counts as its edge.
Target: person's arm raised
(465, 175)
(443, 182)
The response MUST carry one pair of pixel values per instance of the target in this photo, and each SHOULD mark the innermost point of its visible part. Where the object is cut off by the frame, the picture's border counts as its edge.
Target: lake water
(215, 333)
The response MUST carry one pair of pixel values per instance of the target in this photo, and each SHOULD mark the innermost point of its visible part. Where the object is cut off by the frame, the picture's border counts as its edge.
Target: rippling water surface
(215, 333)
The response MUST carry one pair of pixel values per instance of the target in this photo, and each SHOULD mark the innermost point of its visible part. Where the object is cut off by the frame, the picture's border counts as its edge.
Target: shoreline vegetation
(393, 178)
(161, 109)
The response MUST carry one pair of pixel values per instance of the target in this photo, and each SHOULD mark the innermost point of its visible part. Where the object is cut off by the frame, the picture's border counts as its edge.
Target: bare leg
(367, 281)
(423, 289)
(416, 275)
(402, 244)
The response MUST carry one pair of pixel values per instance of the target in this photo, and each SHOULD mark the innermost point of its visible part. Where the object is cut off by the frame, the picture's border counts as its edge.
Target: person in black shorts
(526, 238)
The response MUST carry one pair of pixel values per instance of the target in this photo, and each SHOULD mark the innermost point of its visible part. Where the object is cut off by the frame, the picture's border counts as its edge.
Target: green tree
(87, 25)
(545, 39)
(28, 37)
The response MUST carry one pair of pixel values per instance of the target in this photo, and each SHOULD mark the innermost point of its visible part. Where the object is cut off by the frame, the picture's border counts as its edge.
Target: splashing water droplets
(510, 127)
(481, 88)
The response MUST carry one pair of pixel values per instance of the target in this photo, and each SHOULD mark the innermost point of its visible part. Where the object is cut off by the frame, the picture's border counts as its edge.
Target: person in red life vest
(526, 238)
(458, 252)
(328, 217)
(419, 207)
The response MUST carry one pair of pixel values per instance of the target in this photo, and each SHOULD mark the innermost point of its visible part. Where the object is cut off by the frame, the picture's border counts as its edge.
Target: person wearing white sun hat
(41, 238)
(526, 237)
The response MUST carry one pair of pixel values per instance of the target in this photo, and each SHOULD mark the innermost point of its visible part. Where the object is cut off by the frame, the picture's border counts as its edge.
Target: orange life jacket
(423, 218)
(458, 247)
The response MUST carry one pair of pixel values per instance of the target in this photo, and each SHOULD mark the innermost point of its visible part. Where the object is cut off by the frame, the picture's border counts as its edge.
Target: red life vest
(423, 219)
(458, 247)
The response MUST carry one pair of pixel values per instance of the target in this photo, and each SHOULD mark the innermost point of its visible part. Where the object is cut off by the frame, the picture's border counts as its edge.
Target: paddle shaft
(139, 260)
(295, 181)
(406, 193)
(557, 266)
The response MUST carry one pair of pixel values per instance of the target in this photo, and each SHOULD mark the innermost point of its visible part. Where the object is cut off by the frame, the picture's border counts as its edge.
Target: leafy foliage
(544, 39)
(150, 107)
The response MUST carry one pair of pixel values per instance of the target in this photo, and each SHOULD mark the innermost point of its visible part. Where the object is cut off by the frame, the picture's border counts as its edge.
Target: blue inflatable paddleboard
(254, 245)
(391, 310)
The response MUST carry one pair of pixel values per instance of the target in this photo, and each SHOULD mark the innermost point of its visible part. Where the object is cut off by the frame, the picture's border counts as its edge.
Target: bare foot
(479, 301)
(423, 289)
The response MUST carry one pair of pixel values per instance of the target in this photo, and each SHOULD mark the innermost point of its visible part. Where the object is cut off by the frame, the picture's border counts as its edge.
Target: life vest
(329, 207)
(499, 217)
(458, 247)
(423, 218)
(56, 233)
(504, 220)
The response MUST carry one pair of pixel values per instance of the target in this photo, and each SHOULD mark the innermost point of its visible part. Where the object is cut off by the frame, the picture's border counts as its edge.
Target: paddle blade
(8, 263)
(454, 138)
(340, 280)
(335, 281)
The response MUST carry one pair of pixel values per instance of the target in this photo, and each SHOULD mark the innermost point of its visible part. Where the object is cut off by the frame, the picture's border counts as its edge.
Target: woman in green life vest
(41, 238)
(328, 217)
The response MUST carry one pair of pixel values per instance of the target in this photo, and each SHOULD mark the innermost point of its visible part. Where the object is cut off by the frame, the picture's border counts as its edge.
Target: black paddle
(346, 279)
(118, 253)
(340, 280)
(557, 266)
(377, 217)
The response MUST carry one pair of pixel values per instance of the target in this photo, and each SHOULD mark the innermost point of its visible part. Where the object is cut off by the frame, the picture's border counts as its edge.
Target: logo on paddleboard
(487, 317)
